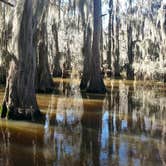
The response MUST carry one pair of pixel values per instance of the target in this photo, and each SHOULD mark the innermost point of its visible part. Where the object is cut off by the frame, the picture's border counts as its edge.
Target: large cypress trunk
(57, 71)
(96, 84)
(44, 79)
(86, 54)
(20, 99)
(44, 82)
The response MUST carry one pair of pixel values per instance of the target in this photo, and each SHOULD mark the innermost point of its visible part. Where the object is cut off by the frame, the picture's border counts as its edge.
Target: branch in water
(8, 3)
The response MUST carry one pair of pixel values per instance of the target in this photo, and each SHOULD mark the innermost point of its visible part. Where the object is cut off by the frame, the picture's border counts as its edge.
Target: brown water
(126, 127)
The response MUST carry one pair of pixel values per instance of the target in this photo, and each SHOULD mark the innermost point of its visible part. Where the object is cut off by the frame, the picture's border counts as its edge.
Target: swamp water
(126, 127)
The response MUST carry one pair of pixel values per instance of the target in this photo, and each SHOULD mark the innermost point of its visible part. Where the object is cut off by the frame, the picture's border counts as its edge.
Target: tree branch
(7, 3)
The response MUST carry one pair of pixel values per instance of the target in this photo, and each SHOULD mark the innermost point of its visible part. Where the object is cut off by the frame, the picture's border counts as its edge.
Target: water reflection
(64, 138)
(5, 147)
(125, 127)
(105, 146)
(19, 144)
(91, 132)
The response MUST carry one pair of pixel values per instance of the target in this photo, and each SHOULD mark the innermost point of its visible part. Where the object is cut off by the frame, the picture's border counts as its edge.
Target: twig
(7, 3)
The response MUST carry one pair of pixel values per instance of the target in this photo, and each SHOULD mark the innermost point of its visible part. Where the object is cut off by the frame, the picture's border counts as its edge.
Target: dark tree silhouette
(20, 98)
(95, 83)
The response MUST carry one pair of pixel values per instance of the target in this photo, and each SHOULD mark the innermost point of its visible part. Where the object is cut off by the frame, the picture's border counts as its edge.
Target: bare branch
(7, 3)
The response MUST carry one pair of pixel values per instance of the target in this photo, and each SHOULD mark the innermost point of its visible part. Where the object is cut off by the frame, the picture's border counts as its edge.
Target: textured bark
(86, 54)
(59, 9)
(44, 79)
(44, 82)
(3, 75)
(81, 9)
(66, 69)
(101, 45)
(113, 42)
(130, 71)
(3, 45)
(3, 37)
(57, 71)
(96, 84)
(109, 61)
(20, 98)
(68, 57)
(116, 71)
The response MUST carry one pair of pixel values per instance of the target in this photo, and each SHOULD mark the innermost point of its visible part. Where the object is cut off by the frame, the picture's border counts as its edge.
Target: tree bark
(44, 79)
(109, 61)
(86, 54)
(101, 45)
(20, 99)
(96, 84)
(117, 52)
(68, 57)
(57, 71)
(130, 70)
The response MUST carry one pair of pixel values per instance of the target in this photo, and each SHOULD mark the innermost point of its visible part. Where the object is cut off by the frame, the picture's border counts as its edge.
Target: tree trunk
(130, 70)
(20, 98)
(117, 52)
(87, 54)
(44, 79)
(3, 44)
(113, 43)
(110, 34)
(101, 45)
(96, 84)
(68, 57)
(57, 71)
(59, 9)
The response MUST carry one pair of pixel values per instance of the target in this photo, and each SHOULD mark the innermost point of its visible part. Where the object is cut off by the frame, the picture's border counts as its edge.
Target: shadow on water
(125, 127)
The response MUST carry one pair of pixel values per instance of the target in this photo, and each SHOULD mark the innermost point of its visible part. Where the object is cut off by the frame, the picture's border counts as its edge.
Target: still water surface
(125, 127)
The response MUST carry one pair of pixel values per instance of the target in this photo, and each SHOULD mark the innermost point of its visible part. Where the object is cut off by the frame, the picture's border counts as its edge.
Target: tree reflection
(117, 129)
(63, 140)
(5, 146)
(91, 132)
(123, 117)
(113, 129)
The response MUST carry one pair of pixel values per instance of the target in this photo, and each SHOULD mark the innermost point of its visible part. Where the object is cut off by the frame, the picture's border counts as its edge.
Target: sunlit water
(125, 127)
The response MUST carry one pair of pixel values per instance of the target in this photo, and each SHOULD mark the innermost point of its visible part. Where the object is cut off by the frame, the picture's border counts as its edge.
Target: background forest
(132, 41)
(84, 39)
(82, 82)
